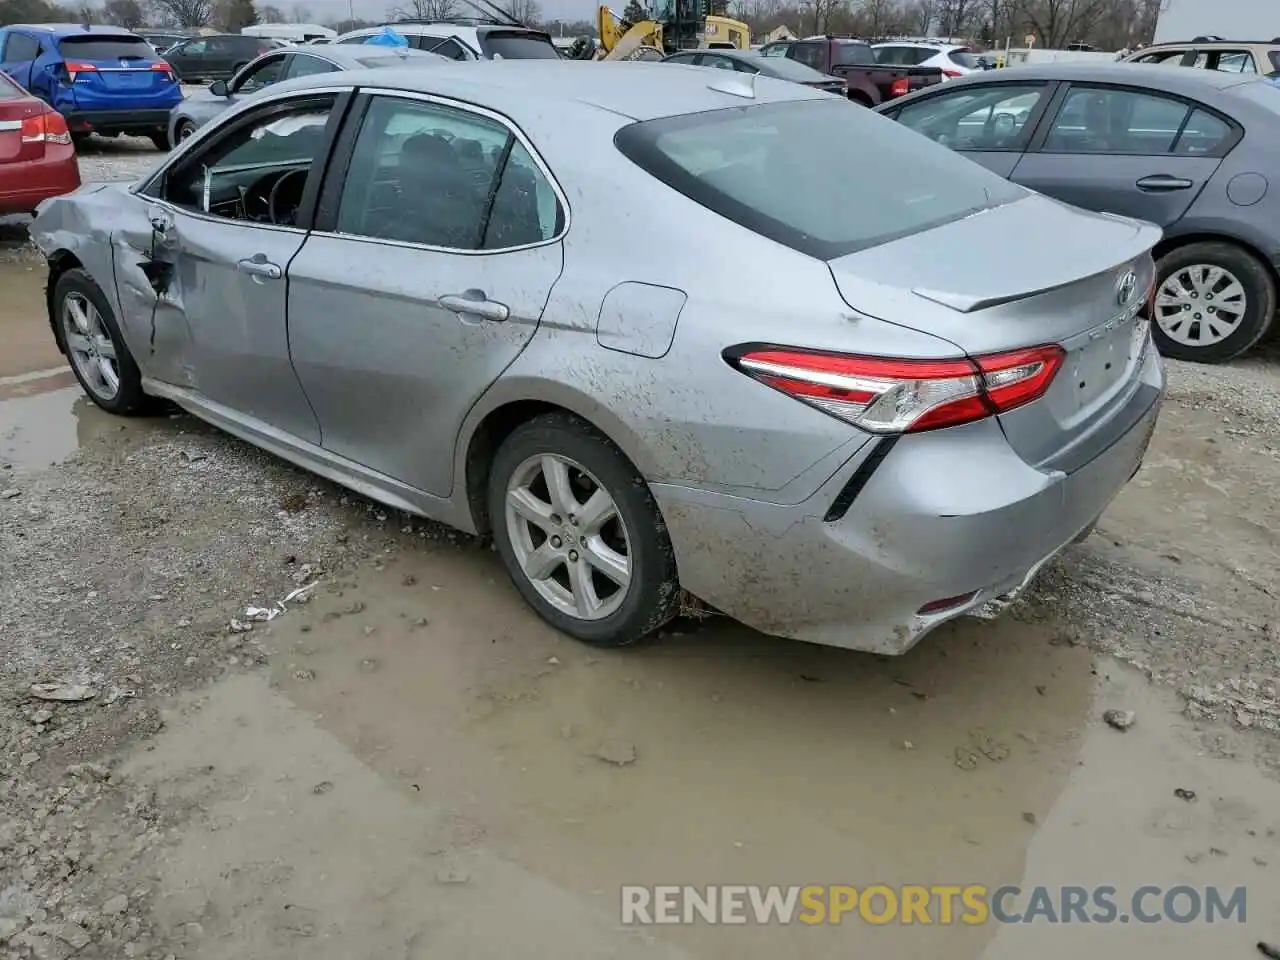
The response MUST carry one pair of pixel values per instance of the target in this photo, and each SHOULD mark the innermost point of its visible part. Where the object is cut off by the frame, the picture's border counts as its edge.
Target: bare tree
(187, 13)
(123, 13)
(301, 14)
(881, 18)
(1059, 22)
(526, 11)
(922, 14)
(270, 14)
(955, 17)
(822, 13)
(425, 10)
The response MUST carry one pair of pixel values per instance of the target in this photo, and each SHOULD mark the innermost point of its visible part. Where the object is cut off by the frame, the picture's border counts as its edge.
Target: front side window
(976, 118)
(258, 75)
(258, 171)
(810, 54)
(1115, 121)
(196, 48)
(781, 170)
(305, 66)
(439, 176)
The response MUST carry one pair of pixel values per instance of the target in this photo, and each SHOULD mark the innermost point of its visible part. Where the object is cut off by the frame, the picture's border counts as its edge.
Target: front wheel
(87, 332)
(580, 533)
(1213, 301)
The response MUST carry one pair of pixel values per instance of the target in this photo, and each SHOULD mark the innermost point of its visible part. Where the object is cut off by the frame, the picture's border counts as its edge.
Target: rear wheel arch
(498, 424)
(1169, 244)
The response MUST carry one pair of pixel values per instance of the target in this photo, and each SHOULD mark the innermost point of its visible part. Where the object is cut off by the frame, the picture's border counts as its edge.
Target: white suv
(953, 60)
(466, 41)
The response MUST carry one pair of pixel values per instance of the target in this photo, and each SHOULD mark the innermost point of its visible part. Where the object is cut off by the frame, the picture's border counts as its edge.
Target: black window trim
(339, 163)
(1030, 129)
(1064, 90)
(283, 55)
(341, 97)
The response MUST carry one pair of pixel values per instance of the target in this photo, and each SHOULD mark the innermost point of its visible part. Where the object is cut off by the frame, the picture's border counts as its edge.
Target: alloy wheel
(91, 348)
(1200, 305)
(568, 536)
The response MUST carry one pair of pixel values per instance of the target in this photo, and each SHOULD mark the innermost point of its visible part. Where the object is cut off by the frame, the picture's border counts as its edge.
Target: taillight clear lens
(46, 128)
(886, 395)
(79, 71)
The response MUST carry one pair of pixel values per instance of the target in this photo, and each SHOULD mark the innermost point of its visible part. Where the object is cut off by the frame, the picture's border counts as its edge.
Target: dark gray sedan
(1190, 150)
(286, 64)
(751, 61)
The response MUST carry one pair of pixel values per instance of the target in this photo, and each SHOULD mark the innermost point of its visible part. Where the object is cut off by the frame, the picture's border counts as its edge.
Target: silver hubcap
(1200, 305)
(90, 346)
(568, 536)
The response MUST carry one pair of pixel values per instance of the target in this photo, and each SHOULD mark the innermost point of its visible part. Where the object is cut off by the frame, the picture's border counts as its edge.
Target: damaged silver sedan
(641, 326)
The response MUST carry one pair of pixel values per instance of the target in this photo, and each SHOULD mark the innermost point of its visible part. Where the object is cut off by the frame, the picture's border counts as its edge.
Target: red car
(37, 158)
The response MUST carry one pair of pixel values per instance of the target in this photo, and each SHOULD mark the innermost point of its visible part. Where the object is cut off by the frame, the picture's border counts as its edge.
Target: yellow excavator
(674, 25)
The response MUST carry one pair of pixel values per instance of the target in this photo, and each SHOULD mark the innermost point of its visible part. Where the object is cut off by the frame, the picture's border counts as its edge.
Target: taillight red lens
(951, 73)
(48, 127)
(886, 395)
(900, 87)
(163, 67)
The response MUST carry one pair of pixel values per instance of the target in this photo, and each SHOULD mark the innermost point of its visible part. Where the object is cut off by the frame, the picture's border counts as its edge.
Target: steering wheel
(1004, 124)
(274, 197)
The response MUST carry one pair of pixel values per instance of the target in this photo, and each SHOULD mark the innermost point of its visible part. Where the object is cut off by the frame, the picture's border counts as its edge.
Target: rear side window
(1275, 60)
(1173, 57)
(517, 46)
(20, 48)
(361, 38)
(1114, 121)
(105, 48)
(445, 47)
(1236, 61)
(782, 171)
(963, 58)
(810, 54)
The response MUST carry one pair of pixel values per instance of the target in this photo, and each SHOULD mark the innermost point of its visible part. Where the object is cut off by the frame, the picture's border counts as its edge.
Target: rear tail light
(886, 395)
(951, 73)
(164, 68)
(900, 87)
(46, 128)
(77, 70)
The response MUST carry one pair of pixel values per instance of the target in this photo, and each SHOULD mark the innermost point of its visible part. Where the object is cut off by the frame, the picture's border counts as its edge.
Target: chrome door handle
(1163, 182)
(260, 268)
(475, 303)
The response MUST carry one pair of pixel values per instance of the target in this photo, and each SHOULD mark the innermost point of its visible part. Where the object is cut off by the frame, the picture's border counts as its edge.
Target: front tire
(580, 533)
(87, 333)
(1213, 302)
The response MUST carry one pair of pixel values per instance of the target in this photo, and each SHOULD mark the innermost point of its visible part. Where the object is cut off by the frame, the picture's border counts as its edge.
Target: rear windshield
(963, 58)
(9, 90)
(105, 48)
(518, 46)
(825, 177)
(854, 53)
(790, 70)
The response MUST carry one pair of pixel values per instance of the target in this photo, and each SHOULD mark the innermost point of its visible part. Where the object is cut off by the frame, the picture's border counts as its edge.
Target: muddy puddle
(718, 756)
(44, 421)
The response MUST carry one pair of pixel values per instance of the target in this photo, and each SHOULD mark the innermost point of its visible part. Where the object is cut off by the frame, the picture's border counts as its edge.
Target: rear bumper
(23, 185)
(949, 514)
(118, 121)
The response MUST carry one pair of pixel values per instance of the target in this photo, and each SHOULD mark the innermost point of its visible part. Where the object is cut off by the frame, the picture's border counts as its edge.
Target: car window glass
(19, 48)
(962, 58)
(234, 176)
(525, 208)
(1236, 61)
(1275, 59)
(195, 48)
(891, 56)
(421, 173)
(976, 118)
(1098, 120)
(853, 53)
(10, 90)
(719, 63)
(810, 54)
(1161, 56)
(776, 50)
(1204, 133)
(305, 66)
(105, 48)
(1199, 60)
(445, 47)
(259, 75)
(361, 38)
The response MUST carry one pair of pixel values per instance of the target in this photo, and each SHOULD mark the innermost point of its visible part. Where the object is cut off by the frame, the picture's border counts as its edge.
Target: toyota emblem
(1126, 284)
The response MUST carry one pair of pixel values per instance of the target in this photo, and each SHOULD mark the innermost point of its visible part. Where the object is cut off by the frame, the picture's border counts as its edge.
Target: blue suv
(103, 80)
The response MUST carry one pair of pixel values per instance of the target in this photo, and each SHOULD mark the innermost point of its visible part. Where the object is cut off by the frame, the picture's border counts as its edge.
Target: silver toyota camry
(655, 330)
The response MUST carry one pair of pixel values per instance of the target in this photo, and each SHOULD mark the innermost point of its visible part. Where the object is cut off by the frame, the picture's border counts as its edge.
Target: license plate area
(127, 79)
(1105, 361)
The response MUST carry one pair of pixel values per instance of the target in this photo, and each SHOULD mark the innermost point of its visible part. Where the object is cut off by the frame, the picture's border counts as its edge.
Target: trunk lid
(1024, 274)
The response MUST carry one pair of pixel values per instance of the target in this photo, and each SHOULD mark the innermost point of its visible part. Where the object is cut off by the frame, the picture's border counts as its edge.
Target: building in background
(1229, 19)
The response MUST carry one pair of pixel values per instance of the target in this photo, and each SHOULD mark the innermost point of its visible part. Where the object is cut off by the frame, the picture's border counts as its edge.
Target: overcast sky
(323, 10)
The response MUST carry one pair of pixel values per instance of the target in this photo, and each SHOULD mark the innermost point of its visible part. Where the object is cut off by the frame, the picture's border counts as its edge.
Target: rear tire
(183, 130)
(563, 554)
(160, 139)
(1214, 301)
(105, 367)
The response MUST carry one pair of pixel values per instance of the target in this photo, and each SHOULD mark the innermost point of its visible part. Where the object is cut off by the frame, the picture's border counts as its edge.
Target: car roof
(1175, 80)
(354, 56)
(925, 44)
(74, 29)
(636, 90)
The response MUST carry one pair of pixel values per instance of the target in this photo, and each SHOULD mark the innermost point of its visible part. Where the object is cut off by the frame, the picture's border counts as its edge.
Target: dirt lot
(411, 765)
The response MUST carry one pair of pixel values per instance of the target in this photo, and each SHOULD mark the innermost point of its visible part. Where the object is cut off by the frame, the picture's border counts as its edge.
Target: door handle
(475, 303)
(1162, 182)
(260, 267)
